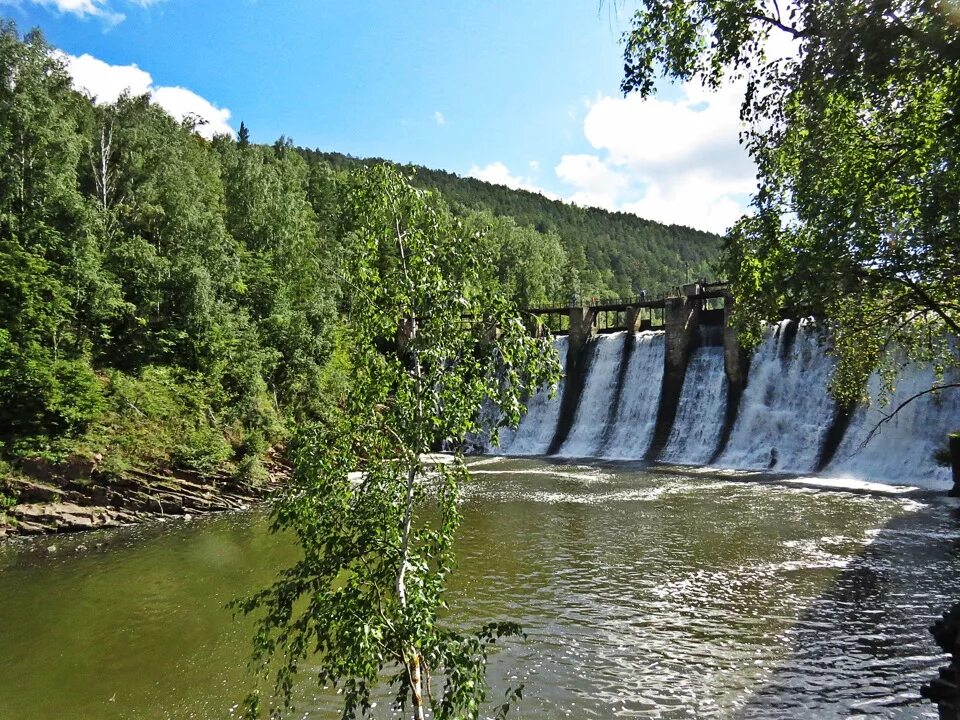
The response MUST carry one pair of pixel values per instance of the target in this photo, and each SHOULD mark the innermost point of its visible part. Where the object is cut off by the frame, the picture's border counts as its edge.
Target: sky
(523, 93)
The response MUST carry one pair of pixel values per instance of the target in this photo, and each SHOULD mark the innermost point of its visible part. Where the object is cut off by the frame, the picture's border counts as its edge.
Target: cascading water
(784, 420)
(630, 434)
(786, 410)
(902, 449)
(586, 434)
(537, 426)
(699, 422)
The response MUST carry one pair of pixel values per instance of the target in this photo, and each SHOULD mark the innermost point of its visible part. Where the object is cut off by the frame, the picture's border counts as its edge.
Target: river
(645, 593)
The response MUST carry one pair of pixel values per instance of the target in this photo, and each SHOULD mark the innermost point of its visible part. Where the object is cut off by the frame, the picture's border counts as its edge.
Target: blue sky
(520, 92)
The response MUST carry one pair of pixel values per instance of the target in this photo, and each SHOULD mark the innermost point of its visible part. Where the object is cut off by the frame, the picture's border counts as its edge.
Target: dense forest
(168, 301)
(609, 253)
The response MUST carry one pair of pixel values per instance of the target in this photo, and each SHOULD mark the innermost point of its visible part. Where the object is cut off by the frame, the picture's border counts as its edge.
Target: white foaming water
(786, 410)
(902, 450)
(589, 424)
(537, 426)
(784, 415)
(636, 417)
(700, 413)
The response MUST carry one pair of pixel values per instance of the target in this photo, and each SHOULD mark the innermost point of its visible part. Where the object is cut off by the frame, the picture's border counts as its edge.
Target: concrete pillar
(577, 366)
(633, 319)
(582, 327)
(681, 324)
(736, 363)
(955, 463)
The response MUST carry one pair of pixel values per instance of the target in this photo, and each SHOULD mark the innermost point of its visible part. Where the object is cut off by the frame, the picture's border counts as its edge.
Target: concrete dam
(685, 394)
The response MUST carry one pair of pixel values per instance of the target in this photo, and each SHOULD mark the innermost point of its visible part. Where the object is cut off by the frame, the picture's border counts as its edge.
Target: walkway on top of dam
(638, 312)
(695, 291)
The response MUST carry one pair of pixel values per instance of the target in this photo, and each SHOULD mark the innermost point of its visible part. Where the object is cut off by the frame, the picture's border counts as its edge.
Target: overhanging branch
(901, 406)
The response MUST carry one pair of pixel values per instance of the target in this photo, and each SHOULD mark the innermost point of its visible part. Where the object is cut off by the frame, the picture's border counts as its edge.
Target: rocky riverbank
(74, 497)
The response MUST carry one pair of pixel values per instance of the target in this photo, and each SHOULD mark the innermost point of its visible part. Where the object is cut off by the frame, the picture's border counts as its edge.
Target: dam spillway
(781, 422)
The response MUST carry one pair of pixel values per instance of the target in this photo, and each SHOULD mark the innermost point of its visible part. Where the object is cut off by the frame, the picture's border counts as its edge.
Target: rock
(28, 491)
(80, 548)
(60, 517)
(51, 549)
(98, 495)
(78, 467)
(37, 468)
(945, 689)
(30, 528)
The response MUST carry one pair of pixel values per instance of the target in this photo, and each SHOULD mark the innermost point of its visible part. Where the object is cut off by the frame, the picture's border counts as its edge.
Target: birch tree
(430, 344)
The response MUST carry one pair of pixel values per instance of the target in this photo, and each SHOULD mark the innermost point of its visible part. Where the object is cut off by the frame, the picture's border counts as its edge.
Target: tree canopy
(855, 134)
(605, 254)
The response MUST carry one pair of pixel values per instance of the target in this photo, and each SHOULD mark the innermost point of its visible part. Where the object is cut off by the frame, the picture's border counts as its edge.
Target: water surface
(645, 593)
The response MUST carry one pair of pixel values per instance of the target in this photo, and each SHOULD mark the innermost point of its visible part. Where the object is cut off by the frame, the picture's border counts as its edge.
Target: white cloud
(671, 161)
(439, 118)
(107, 82)
(181, 103)
(598, 185)
(84, 8)
(698, 201)
(88, 8)
(499, 174)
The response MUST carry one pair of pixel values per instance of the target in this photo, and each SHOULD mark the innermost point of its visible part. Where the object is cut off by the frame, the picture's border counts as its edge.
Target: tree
(286, 288)
(529, 264)
(431, 344)
(856, 138)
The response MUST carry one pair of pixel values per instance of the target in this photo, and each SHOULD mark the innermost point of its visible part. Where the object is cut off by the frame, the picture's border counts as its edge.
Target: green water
(648, 594)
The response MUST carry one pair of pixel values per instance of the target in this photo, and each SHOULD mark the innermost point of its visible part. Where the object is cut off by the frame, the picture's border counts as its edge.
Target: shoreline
(59, 504)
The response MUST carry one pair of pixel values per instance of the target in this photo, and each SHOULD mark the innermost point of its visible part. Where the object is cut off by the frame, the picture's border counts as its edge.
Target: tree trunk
(413, 664)
(416, 685)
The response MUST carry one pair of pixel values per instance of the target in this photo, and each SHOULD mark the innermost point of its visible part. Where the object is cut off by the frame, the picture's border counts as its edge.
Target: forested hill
(172, 302)
(613, 253)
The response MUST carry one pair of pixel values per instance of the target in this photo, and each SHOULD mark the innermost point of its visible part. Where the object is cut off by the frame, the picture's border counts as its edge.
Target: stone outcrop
(83, 500)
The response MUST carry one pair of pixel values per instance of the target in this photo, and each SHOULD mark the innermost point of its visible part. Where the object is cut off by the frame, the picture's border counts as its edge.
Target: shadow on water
(862, 648)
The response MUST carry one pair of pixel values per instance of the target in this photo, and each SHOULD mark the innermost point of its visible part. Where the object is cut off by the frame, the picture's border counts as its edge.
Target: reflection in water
(644, 593)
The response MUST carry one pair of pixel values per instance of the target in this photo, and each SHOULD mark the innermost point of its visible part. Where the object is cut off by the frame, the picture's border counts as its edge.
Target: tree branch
(901, 406)
(775, 22)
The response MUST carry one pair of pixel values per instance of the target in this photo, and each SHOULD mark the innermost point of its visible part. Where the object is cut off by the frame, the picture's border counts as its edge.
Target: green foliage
(158, 419)
(530, 266)
(363, 602)
(134, 250)
(41, 396)
(855, 137)
(606, 254)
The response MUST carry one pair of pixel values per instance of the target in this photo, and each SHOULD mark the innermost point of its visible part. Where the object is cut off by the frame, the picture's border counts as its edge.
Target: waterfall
(786, 420)
(533, 435)
(901, 451)
(786, 410)
(586, 433)
(636, 414)
(703, 401)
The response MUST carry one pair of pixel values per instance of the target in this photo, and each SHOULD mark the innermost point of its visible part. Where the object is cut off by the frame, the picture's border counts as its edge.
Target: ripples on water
(648, 594)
